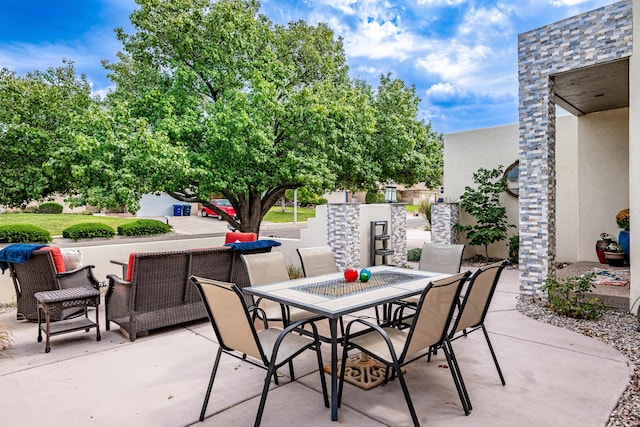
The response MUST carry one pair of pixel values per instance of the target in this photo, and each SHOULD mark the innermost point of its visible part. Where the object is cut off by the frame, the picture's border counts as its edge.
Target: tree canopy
(213, 98)
(37, 116)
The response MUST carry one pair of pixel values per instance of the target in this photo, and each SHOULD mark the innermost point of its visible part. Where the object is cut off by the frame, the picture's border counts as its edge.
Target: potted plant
(601, 246)
(622, 219)
(614, 254)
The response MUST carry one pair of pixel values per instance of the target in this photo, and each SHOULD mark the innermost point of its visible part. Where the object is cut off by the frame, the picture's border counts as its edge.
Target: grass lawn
(276, 215)
(55, 223)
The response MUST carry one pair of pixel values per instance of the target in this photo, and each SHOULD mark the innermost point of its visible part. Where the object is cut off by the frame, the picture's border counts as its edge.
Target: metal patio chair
(237, 336)
(475, 305)
(267, 268)
(317, 260)
(429, 331)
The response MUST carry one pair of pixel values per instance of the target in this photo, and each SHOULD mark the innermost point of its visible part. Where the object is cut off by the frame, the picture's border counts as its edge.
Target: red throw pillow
(236, 236)
(56, 254)
(132, 257)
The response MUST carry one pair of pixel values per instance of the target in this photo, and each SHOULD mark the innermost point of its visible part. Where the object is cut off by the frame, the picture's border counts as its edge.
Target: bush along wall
(50, 208)
(23, 233)
(143, 227)
(87, 230)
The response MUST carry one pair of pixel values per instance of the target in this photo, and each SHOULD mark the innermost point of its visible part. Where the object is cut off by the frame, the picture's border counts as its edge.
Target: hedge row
(87, 230)
(23, 233)
(143, 227)
(27, 233)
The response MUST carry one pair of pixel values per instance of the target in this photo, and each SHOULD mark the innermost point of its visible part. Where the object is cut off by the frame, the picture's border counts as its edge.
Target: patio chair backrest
(36, 275)
(441, 258)
(475, 303)
(317, 260)
(433, 314)
(266, 268)
(229, 316)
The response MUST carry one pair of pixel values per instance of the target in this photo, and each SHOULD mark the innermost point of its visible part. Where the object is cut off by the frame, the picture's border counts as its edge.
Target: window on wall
(511, 176)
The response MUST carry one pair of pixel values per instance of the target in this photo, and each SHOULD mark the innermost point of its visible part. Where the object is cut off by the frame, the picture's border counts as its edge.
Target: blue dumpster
(177, 210)
(186, 210)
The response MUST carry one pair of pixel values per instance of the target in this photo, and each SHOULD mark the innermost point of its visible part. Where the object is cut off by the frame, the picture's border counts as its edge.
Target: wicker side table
(50, 302)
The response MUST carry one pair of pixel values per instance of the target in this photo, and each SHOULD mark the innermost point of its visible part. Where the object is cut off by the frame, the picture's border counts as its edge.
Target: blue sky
(461, 55)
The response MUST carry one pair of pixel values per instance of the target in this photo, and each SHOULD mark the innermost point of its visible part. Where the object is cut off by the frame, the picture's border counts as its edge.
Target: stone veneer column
(399, 233)
(444, 216)
(343, 233)
(592, 38)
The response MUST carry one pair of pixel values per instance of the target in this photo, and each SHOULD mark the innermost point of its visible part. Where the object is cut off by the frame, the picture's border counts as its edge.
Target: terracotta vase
(601, 247)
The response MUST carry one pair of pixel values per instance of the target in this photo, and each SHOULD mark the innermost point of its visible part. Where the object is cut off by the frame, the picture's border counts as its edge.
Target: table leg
(98, 320)
(333, 327)
(47, 316)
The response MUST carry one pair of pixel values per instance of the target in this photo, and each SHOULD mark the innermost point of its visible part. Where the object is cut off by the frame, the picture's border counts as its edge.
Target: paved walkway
(554, 377)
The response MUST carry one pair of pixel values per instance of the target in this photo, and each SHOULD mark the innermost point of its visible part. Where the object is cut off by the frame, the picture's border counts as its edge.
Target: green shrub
(374, 196)
(569, 297)
(514, 248)
(425, 210)
(23, 233)
(50, 208)
(483, 203)
(87, 230)
(143, 227)
(414, 254)
(321, 201)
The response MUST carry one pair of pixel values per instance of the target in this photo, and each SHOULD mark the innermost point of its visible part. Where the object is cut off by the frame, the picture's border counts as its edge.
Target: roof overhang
(590, 89)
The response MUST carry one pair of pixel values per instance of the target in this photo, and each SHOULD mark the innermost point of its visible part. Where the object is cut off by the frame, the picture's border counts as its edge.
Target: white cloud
(485, 23)
(454, 61)
(377, 40)
(345, 6)
(441, 2)
(441, 91)
(561, 3)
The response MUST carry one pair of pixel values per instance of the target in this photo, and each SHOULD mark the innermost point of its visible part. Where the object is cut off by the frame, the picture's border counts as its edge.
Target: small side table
(54, 301)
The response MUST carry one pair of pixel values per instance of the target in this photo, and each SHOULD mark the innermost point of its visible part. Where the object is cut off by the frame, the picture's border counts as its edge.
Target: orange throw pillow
(58, 259)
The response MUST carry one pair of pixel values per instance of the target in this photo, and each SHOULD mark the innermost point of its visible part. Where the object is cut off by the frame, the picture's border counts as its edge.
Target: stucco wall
(634, 158)
(592, 183)
(465, 153)
(567, 188)
(603, 184)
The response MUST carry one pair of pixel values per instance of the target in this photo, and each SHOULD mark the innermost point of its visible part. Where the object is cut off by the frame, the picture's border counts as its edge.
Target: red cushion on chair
(132, 257)
(236, 236)
(58, 260)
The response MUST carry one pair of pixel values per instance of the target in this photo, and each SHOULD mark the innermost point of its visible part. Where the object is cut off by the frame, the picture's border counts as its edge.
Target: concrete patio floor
(554, 377)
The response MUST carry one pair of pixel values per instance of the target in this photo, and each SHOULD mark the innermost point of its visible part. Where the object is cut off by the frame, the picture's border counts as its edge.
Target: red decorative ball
(351, 275)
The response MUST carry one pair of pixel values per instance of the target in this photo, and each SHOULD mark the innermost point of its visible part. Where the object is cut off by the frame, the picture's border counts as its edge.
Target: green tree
(38, 113)
(260, 108)
(483, 203)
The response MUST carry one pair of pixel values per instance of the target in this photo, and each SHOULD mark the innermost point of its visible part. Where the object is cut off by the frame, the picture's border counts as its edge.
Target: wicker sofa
(157, 291)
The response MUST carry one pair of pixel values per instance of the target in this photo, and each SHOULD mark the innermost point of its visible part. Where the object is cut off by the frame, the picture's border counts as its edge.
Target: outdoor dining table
(331, 296)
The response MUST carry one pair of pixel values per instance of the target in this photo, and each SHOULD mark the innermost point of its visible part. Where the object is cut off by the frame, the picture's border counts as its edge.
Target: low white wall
(101, 255)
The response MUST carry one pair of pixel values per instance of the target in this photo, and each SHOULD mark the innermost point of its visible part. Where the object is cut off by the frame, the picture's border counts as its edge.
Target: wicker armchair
(39, 274)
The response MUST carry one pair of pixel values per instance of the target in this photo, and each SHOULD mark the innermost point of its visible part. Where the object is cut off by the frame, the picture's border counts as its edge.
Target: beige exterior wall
(603, 180)
(634, 159)
(465, 153)
(566, 188)
(592, 182)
